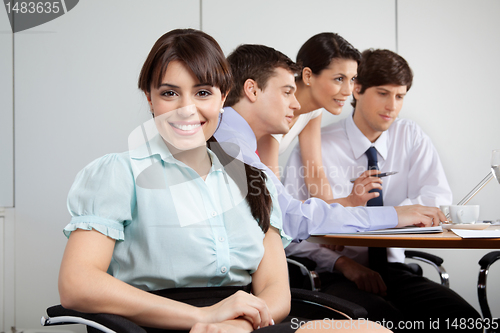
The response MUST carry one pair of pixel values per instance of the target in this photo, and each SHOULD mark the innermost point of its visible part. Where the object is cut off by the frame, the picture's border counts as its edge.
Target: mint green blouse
(173, 229)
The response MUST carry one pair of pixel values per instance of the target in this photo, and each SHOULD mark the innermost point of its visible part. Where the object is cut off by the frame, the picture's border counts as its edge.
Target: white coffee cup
(445, 209)
(460, 214)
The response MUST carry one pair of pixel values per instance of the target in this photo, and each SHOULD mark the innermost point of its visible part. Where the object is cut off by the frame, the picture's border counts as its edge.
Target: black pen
(383, 174)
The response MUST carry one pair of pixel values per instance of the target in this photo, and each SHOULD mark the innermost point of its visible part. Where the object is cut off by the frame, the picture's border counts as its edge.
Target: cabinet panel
(6, 114)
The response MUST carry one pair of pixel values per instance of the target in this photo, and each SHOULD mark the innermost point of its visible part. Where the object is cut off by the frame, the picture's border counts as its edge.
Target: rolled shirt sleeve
(276, 217)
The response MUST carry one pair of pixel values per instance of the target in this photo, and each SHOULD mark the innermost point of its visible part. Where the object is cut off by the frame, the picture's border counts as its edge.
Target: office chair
(305, 304)
(484, 263)
(302, 275)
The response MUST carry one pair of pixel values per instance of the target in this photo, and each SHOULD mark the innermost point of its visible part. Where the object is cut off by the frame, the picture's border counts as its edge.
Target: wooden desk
(446, 239)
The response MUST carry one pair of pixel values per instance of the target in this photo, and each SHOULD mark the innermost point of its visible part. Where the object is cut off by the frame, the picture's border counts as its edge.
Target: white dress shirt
(404, 148)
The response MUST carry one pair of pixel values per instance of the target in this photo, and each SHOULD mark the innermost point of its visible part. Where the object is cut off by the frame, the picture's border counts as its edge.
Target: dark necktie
(371, 153)
(377, 256)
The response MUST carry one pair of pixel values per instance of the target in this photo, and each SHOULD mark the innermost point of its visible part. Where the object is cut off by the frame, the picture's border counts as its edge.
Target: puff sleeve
(102, 197)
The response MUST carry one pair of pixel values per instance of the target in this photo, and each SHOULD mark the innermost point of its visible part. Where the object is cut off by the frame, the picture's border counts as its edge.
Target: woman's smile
(186, 128)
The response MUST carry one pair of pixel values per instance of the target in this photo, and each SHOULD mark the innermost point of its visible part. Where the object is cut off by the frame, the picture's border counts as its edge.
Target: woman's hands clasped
(239, 305)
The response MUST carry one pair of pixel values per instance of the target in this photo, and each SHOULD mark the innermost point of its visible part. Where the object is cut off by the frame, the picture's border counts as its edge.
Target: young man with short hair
(262, 102)
(400, 145)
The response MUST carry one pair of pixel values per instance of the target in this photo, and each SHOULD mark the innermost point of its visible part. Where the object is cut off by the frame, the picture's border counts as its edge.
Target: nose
(187, 111)
(295, 105)
(391, 104)
(347, 88)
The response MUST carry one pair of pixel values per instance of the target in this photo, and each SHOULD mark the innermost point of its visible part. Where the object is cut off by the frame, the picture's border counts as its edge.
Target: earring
(221, 110)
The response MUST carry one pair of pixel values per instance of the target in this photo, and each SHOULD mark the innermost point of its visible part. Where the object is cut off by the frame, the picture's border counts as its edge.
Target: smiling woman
(127, 240)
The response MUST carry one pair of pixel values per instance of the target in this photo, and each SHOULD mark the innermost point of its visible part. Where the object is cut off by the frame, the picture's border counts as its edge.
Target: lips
(386, 117)
(340, 102)
(183, 128)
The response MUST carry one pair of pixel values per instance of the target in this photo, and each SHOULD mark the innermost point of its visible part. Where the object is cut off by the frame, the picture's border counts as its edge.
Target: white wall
(76, 99)
(452, 47)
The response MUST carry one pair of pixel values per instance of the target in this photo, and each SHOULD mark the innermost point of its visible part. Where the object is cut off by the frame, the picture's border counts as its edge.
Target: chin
(181, 147)
(184, 144)
(334, 111)
(283, 130)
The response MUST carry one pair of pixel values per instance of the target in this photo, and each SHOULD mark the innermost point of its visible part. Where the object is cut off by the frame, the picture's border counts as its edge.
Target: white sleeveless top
(286, 139)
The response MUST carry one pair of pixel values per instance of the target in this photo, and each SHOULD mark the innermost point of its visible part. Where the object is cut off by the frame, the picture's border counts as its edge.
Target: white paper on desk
(395, 231)
(477, 233)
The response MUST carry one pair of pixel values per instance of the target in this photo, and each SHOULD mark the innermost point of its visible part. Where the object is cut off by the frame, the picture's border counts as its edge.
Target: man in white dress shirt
(382, 83)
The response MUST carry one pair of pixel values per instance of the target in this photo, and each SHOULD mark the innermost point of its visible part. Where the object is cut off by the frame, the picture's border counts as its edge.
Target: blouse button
(223, 269)
(221, 239)
(214, 213)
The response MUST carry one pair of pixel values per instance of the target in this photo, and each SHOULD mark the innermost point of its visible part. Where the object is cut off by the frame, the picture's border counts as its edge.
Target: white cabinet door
(6, 114)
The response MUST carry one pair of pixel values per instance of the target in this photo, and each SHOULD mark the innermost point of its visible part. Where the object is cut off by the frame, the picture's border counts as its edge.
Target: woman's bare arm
(270, 281)
(314, 173)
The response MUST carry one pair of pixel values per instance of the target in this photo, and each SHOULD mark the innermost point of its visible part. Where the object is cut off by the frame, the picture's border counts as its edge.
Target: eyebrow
(174, 86)
(339, 73)
(386, 90)
(289, 86)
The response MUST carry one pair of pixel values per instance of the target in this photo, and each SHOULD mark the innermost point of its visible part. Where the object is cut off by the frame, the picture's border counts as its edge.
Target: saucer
(469, 226)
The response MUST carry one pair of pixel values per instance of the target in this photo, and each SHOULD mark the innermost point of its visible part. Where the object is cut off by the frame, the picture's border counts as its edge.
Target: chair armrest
(485, 262)
(334, 304)
(424, 256)
(489, 259)
(101, 321)
(432, 260)
(308, 263)
(305, 267)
